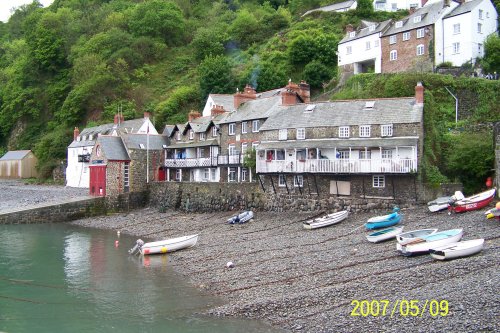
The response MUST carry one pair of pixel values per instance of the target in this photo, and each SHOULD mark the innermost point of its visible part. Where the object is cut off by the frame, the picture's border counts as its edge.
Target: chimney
(305, 91)
(217, 110)
(288, 97)
(419, 93)
(292, 90)
(248, 94)
(119, 118)
(413, 9)
(349, 28)
(76, 133)
(193, 115)
(146, 115)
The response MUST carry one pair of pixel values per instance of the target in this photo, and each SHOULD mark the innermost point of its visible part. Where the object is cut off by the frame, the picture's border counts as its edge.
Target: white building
(77, 170)
(465, 29)
(360, 51)
(394, 5)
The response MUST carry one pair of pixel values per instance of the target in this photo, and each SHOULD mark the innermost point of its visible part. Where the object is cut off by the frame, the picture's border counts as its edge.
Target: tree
(209, 41)
(215, 76)
(315, 73)
(245, 29)
(364, 8)
(491, 60)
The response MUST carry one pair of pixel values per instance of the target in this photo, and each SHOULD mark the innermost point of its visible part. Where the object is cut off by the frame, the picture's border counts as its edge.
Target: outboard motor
(138, 245)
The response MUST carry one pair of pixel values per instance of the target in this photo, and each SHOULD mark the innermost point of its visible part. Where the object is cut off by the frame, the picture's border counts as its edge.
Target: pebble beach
(329, 279)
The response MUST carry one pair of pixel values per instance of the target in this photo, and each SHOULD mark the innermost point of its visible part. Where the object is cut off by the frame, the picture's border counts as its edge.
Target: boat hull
(475, 202)
(326, 220)
(457, 249)
(432, 241)
(384, 234)
(169, 245)
(411, 236)
(241, 218)
(384, 223)
(439, 204)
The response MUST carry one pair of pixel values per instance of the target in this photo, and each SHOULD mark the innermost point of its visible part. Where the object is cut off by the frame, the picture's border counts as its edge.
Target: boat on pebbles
(164, 246)
(384, 234)
(326, 220)
(457, 249)
(425, 243)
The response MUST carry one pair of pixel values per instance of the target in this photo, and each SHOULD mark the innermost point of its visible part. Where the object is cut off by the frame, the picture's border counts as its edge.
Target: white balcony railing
(191, 162)
(230, 159)
(405, 165)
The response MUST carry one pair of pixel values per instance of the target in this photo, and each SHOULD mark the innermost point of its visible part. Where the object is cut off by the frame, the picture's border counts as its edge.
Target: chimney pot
(146, 115)
(419, 93)
(119, 118)
(248, 94)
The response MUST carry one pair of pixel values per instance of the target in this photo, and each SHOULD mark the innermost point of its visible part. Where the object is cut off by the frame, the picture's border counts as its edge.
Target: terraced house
(367, 148)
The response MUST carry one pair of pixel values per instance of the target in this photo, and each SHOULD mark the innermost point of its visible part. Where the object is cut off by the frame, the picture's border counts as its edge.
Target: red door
(98, 180)
(161, 174)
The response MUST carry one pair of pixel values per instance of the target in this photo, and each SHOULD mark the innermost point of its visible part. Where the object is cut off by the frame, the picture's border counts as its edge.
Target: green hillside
(77, 62)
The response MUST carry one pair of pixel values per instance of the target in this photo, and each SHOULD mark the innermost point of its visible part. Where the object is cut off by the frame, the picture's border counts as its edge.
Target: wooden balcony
(206, 162)
(345, 166)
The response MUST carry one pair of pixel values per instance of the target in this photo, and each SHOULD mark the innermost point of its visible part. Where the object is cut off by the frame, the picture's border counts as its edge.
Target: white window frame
(393, 55)
(244, 174)
(352, 34)
(344, 131)
(365, 154)
(301, 133)
(387, 154)
(283, 134)
(244, 127)
(456, 28)
(417, 19)
(393, 39)
(406, 35)
(232, 175)
(368, 45)
(179, 135)
(420, 49)
(213, 174)
(386, 130)
(378, 181)
(231, 149)
(178, 174)
(343, 154)
(371, 27)
(255, 144)
(244, 148)
(232, 129)
(206, 174)
(214, 131)
(348, 49)
(479, 28)
(456, 47)
(298, 181)
(255, 126)
(364, 131)
(281, 181)
(399, 24)
(480, 14)
(202, 136)
(191, 134)
(375, 43)
(421, 33)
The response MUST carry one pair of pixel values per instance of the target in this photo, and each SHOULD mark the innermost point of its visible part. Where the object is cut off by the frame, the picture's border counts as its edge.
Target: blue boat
(384, 221)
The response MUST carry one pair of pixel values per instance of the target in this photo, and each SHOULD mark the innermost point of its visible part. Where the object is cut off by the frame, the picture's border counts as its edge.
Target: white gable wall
(78, 173)
(394, 5)
(207, 110)
(360, 53)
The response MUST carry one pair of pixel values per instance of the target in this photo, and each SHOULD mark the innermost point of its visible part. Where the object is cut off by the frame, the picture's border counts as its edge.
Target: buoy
(230, 264)
(497, 205)
(117, 243)
(118, 233)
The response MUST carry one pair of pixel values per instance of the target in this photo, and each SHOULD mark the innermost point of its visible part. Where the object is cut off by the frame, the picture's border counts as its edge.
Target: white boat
(442, 203)
(241, 218)
(457, 250)
(164, 246)
(425, 243)
(384, 234)
(326, 220)
(411, 236)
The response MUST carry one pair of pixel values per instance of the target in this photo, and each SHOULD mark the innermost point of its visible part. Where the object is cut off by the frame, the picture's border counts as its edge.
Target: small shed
(18, 164)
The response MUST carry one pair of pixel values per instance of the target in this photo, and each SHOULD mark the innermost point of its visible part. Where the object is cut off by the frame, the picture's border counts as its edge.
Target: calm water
(61, 278)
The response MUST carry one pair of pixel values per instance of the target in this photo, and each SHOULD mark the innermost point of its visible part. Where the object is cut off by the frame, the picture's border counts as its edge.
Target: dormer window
(399, 24)
(352, 34)
(84, 138)
(369, 105)
(179, 136)
(417, 19)
(191, 134)
(214, 131)
(202, 136)
(371, 28)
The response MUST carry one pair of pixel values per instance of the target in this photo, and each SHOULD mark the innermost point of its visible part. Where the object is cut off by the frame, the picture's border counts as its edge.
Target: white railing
(405, 165)
(191, 162)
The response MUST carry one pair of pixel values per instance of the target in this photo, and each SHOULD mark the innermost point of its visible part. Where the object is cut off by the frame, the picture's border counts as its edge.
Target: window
(456, 29)
(420, 49)
(280, 154)
(126, 174)
(349, 49)
(399, 24)
(417, 19)
(352, 34)
(178, 175)
(282, 135)
(206, 174)
(191, 134)
(301, 133)
(213, 173)
(387, 153)
(393, 39)
(200, 152)
(456, 48)
(365, 154)
(386, 130)
(343, 154)
(255, 126)
(343, 131)
(479, 28)
(243, 127)
(202, 136)
(480, 14)
(420, 33)
(281, 181)
(244, 174)
(232, 129)
(487, 14)
(393, 55)
(394, 6)
(406, 35)
(244, 148)
(179, 136)
(231, 175)
(364, 131)
(379, 181)
(298, 181)
(231, 149)
(214, 131)
(368, 45)
(375, 43)
(380, 6)
(480, 49)
(371, 28)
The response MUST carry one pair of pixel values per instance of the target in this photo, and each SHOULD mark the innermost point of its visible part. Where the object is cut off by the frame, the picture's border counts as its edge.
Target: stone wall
(496, 132)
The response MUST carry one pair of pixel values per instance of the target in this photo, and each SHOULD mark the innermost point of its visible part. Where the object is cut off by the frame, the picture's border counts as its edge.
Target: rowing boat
(383, 221)
(457, 249)
(425, 243)
(164, 246)
(384, 234)
(474, 202)
(411, 236)
(326, 220)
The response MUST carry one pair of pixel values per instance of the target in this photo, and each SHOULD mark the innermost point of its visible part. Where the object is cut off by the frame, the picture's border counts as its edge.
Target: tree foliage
(491, 60)
(216, 76)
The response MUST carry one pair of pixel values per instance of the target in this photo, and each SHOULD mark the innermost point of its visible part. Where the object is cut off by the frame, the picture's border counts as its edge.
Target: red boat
(477, 201)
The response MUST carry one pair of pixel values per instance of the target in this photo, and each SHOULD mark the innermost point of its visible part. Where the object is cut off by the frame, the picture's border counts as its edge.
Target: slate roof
(192, 144)
(168, 130)
(380, 27)
(464, 8)
(133, 141)
(346, 113)
(201, 124)
(255, 109)
(226, 100)
(331, 8)
(113, 148)
(15, 155)
(341, 143)
(430, 14)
